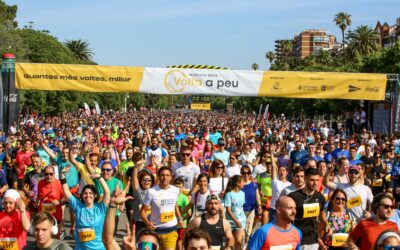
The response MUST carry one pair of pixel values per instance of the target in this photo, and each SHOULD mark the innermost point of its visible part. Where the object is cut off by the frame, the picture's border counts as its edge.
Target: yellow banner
(201, 106)
(166, 81)
(323, 85)
(91, 78)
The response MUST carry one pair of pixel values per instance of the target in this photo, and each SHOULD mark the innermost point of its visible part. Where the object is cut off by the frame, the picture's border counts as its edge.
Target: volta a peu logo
(176, 81)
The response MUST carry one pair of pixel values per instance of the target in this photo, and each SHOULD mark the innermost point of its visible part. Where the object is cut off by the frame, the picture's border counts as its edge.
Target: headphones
(54, 228)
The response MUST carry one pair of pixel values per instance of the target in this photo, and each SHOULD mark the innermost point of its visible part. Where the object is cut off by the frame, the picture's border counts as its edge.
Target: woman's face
(88, 196)
(203, 183)
(9, 205)
(146, 182)
(232, 160)
(339, 200)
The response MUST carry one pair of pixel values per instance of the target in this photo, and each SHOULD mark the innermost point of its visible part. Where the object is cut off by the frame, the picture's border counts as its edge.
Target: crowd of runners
(197, 180)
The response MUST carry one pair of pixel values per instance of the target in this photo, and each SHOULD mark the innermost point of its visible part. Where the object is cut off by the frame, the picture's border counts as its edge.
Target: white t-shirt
(232, 170)
(162, 203)
(277, 187)
(259, 169)
(289, 189)
(188, 173)
(354, 192)
(199, 202)
(215, 185)
(244, 158)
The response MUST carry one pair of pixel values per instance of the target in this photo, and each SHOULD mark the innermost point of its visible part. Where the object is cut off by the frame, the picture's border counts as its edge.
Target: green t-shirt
(122, 170)
(112, 185)
(265, 182)
(182, 202)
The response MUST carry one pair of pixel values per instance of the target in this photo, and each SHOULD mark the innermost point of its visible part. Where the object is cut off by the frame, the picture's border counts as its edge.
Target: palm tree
(324, 57)
(342, 19)
(287, 47)
(270, 55)
(255, 66)
(362, 41)
(80, 49)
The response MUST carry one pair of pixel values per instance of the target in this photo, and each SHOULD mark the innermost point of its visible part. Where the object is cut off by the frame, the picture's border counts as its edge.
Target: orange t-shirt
(11, 227)
(47, 193)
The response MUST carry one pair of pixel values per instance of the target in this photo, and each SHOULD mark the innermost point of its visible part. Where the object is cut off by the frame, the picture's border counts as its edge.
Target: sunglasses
(246, 173)
(143, 245)
(146, 180)
(185, 154)
(385, 206)
(353, 172)
(48, 174)
(386, 247)
(378, 157)
(232, 158)
(340, 199)
(106, 170)
(219, 167)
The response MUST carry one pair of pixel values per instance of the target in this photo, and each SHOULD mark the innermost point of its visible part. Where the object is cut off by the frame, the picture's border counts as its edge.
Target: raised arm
(327, 182)
(106, 196)
(64, 184)
(48, 150)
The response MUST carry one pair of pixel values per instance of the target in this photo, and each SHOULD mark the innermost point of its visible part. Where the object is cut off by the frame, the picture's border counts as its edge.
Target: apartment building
(388, 35)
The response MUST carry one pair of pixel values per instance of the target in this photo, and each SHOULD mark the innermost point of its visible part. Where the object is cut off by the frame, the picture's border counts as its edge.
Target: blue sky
(233, 34)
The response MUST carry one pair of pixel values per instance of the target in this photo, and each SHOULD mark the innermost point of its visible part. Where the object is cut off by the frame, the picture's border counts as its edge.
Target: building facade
(388, 35)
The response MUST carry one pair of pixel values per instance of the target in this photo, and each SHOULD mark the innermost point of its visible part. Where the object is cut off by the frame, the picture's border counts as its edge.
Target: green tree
(254, 66)
(270, 55)
(363, 41)
(80, 49)
(323, 57)
(342, 19)
(287, 47)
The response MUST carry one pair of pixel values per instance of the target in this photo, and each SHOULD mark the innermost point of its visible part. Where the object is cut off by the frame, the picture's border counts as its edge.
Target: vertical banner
(259, 111)
(10, 92)
(98, 110)
(266, 112)
(2, 120)
(396, 104)
(87, 109)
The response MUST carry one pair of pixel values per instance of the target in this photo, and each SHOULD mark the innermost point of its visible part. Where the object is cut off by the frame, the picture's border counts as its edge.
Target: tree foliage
(80, 49)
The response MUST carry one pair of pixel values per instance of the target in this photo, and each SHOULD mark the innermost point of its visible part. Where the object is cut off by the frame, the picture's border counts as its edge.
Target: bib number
(48, 207)
(377, 182)
(339, 239)
(354, 202)
(283, 247)
(9, 244)
(311, 210)
(86, 234)
(167, 216)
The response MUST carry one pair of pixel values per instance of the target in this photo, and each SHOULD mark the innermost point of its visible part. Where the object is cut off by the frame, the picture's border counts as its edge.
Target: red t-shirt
(366, 232)
(11, 227)
(22, 160)
(47, 193)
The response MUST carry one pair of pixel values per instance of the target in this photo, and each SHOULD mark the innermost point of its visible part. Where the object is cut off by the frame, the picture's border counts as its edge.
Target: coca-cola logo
(372, 89)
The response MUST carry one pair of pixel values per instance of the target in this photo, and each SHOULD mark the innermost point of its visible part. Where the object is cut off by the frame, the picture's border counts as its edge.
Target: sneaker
(71, 234)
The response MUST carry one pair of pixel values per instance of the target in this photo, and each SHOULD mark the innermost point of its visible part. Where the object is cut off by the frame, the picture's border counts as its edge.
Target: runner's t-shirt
(236, 200)
(270, 236)
(162, 203)
(189, 173)
(89, 224)
(11, 230)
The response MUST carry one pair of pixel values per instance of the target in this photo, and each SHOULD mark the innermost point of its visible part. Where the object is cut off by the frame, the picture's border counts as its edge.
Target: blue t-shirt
(250, 191)
(236, 202)
(337, 153)
(223, 156)
(72, 175)
(90, 219)
(214, 137)
(270, 235)
(296, 156)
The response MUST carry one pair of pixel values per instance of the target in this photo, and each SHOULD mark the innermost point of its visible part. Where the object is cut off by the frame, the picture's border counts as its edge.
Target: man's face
(353, 153)
(299, 178)
(27, 145)
(312, 182)
(385, 209)
(129, 153)
(154, 142)
(49, 174)
(287, 211)
(343, 145)
(94, 161)
(165, 177)
(354, 175)
(36, 163)
(213, 207)
(345, 164)
(42, 232)
(185, 156)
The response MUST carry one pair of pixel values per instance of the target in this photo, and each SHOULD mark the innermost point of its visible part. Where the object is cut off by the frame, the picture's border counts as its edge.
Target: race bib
(311, 210)
(48, 207)
(167, 216)
(339, 239)
(282, 247)
(354, 202)
(9, 244)
(86, 234)
(388, 177)
(207, 162)
(377, 182)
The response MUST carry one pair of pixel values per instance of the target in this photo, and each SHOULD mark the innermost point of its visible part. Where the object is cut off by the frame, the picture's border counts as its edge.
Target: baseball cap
(355, 167)
(212, 197)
